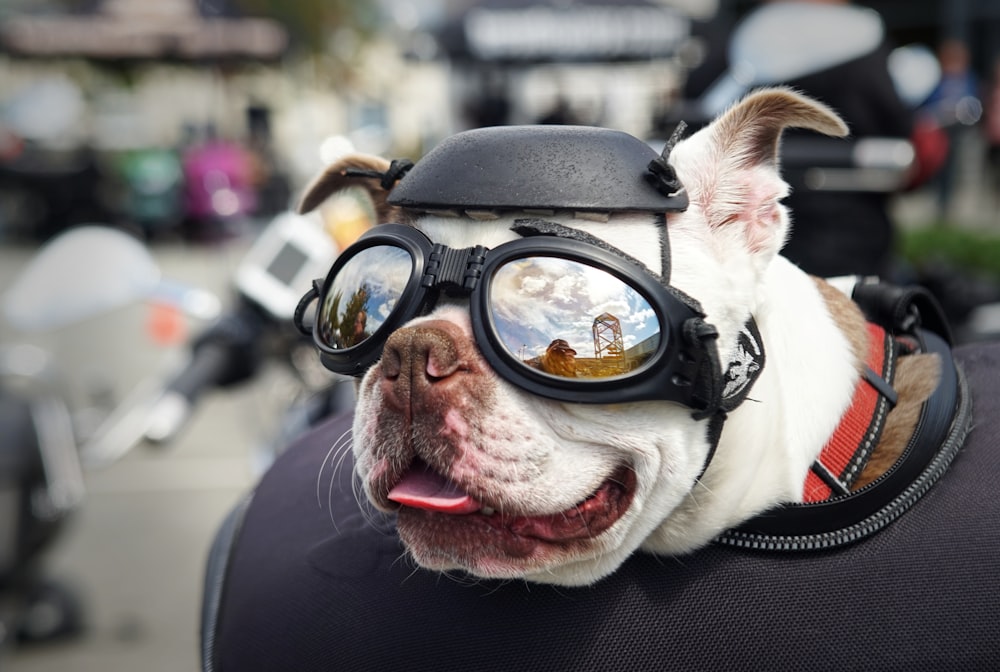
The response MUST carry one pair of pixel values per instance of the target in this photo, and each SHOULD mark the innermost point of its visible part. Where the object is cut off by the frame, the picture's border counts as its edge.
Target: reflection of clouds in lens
(384, 308)
(539, 299)
(564, 289)
(640, 317)
(532, 285)
(384, 269)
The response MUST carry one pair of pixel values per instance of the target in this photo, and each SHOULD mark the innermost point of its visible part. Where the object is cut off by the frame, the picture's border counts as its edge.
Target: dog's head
(502, 471)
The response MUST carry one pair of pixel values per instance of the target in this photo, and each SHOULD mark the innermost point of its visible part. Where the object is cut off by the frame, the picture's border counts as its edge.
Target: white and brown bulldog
(504, 478)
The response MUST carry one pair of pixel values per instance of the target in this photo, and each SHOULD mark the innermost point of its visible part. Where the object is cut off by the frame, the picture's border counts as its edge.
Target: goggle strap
(709, 383)
(398, 168)
(661, 175)
(300, 310)
(719, 383)
(715, 424)
(543, 227)
(661, 224)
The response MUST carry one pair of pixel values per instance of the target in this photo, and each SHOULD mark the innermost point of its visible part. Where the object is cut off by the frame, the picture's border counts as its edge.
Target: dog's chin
(499, 544)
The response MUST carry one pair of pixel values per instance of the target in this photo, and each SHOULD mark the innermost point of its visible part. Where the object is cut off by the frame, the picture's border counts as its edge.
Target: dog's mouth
(423, 489)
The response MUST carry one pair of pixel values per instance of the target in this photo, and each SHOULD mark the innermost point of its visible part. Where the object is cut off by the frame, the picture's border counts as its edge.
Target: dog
(559, 492)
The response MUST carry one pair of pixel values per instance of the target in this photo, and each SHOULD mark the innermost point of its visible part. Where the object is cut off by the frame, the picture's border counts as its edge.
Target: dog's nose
(423, 359)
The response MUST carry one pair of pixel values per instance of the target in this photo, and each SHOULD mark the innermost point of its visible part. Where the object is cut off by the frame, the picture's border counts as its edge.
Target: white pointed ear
(353, 170)
(733, 173)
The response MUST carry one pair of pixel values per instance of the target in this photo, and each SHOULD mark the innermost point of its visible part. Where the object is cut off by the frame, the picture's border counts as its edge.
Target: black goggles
(558, 317)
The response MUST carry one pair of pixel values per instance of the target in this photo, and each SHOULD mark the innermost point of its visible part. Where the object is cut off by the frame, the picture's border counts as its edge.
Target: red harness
(846, 453)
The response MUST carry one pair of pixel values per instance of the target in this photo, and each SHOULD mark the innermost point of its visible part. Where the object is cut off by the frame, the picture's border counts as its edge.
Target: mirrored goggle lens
(566, 318)
(362, 295)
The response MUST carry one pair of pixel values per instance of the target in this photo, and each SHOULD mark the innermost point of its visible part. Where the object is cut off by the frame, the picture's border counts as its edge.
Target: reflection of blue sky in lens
(384, 271)
(537, 300)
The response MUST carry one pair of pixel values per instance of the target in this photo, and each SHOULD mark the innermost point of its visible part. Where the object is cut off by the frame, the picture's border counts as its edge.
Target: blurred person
(991, 129)
(954, 105)
(268, 178)
(837, 232)
(832, 232)
(560, 113)
(559, 359)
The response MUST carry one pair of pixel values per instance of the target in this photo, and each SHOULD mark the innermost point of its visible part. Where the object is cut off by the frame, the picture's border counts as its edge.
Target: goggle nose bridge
(455, 272)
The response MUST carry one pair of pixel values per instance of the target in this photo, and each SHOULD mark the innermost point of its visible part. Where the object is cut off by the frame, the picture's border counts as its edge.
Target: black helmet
(579, 168)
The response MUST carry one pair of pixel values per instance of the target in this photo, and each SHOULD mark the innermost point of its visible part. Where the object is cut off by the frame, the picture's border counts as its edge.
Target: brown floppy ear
(353, 170)
(737, 181)
(750, 132)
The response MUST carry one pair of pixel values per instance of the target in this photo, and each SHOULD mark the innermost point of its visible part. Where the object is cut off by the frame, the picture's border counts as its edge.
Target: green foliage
(352, 327)
(969, 249)
(310, 22)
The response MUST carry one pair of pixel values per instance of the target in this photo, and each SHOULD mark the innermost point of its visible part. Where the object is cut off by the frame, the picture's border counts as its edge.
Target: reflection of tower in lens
(610, 328)
(611, 358)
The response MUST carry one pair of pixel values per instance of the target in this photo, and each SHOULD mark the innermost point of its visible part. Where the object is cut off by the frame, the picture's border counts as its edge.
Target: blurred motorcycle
(47, 431)
(257, 331)
(824, 38)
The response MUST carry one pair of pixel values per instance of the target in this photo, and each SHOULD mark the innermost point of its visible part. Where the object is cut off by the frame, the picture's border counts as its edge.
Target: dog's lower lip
(585, 520)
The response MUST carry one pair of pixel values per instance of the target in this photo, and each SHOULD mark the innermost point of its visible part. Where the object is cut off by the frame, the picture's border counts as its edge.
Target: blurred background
(188, 128)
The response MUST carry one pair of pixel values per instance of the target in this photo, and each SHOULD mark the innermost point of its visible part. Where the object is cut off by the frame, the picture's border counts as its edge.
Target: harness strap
(945, 420)
(848, 450)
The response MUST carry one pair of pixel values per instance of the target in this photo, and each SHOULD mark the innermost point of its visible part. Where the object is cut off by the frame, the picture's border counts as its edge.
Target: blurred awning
(141, 30)
(520, 31)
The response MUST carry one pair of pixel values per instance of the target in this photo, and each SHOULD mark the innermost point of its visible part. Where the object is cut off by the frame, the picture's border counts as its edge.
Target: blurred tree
(312, 23)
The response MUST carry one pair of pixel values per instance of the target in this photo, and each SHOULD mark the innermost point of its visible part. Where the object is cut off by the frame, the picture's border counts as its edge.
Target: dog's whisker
(344, 452)
(583, 518)
(334, 458)
(465, 580)
(336, 467)
(369, 512)
(495, 587)
(338, 445)
(329, 499)
(700, 484)
(414, 569)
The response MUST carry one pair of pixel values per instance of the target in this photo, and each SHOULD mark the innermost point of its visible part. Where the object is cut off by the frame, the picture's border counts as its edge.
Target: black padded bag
(314, 584)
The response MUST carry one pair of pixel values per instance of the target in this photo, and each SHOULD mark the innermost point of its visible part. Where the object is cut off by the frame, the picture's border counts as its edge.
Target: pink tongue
(423, 488)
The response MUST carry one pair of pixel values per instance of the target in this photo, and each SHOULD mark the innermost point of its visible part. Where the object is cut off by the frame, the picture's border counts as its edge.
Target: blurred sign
(139, 29)
(605, 30)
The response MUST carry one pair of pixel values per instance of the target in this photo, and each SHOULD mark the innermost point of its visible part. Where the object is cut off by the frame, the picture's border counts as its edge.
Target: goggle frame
(673, 372)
